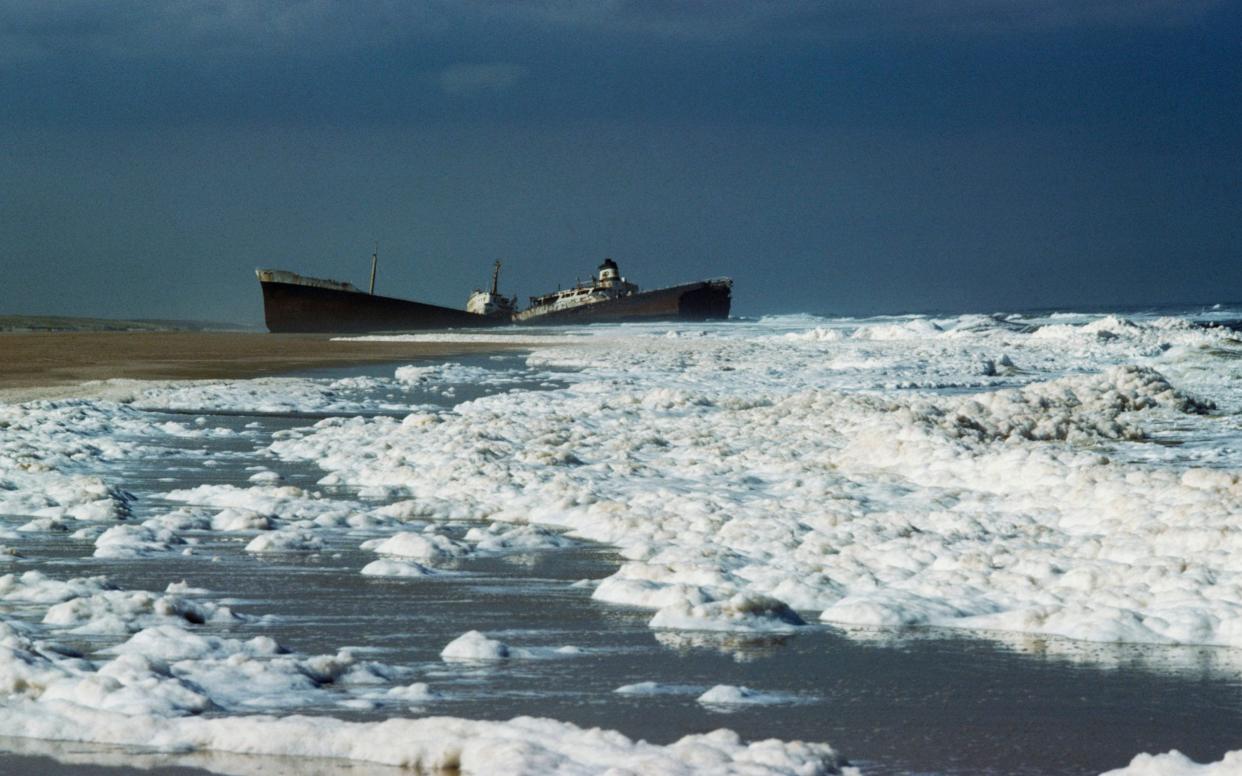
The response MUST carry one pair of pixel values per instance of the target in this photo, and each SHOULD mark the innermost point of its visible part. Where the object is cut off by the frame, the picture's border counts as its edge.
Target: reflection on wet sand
(1186, 661)
(742, 647)
(52, 758)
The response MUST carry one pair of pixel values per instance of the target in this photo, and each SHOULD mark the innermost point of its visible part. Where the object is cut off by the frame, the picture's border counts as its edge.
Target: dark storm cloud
(480, 77)
(201, 31)
(807, 19)
(936, 62)
(195, 31)
(848, 155)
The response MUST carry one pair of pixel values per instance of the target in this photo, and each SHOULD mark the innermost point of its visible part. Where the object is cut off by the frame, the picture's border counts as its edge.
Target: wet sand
(58, 364)
(67, 363)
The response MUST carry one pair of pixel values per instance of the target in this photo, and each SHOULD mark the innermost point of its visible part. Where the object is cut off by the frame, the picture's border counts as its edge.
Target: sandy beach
(57, 364)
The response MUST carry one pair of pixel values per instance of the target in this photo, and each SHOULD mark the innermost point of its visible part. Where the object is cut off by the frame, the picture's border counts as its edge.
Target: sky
(839, 157)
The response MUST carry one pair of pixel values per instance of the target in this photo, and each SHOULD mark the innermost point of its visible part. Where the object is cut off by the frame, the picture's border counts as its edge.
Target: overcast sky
(848, 156)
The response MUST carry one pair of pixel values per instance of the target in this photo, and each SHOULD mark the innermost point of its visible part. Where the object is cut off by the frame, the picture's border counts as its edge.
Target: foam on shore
(1074, 478)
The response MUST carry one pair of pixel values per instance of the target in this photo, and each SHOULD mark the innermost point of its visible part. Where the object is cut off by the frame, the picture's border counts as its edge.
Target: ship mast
(374, 261)
(496, 278)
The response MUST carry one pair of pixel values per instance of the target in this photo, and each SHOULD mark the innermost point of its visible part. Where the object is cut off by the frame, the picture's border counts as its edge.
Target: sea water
(956, 544)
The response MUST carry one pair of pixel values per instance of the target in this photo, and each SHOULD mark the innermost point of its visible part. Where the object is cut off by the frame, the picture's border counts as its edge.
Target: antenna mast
(374, 261)
(496, 278)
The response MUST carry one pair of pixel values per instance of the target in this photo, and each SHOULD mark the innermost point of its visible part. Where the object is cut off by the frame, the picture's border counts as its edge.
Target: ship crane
(374, 261)
(491, 303)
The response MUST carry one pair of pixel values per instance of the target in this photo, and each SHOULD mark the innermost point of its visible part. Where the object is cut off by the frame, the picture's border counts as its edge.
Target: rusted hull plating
(702, 301)
(290, 307)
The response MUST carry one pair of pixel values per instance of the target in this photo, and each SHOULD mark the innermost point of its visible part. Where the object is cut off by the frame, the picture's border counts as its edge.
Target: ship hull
(291, 307)
(702, 301)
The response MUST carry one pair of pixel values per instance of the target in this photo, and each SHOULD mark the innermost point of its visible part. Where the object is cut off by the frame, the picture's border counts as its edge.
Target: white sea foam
(728, 696)
(135, 541)
(425, 547)
(473, 645)
(271, 395)
(657, 688)
(385, 567)
(1175, 763)
(428, 745)
(454, 373)
(740, 612)
(725, 467)
(498, 538)
(987, 473)
(286, 540)
(240, 519)
(413, 694)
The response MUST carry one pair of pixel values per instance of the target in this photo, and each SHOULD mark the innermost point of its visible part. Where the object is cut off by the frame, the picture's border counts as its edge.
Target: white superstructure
(491, 302)
(608, 285)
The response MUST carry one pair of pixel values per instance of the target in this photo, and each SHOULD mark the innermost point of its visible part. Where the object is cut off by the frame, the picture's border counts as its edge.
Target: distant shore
(47, 323)
(37, 365)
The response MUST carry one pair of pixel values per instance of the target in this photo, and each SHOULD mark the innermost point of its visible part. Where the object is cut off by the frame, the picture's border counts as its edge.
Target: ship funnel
(608, 271)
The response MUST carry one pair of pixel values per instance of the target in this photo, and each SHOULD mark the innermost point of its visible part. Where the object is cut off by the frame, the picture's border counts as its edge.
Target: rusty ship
(295, 303)
(610, 298)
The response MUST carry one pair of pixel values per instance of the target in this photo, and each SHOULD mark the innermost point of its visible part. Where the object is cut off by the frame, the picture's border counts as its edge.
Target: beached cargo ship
(610, 298)
(295, 303)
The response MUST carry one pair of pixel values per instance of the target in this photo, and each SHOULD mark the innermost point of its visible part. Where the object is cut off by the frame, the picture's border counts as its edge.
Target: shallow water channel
(921, 701)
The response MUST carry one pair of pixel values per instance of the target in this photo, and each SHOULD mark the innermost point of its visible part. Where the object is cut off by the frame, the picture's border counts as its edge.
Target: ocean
(923, 544)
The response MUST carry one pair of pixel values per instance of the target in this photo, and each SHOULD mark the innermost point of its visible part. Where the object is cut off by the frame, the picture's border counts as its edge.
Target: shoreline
(45, 365)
